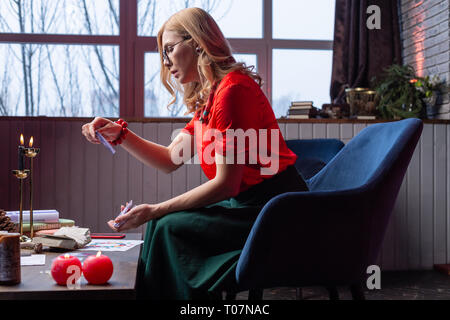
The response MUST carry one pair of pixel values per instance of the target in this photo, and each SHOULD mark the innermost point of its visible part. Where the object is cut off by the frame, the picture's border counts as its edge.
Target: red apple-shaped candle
(97, 269)
(59, 268)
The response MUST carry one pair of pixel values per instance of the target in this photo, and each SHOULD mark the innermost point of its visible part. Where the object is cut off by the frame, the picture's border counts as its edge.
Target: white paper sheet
(33, 260)
(110, 245)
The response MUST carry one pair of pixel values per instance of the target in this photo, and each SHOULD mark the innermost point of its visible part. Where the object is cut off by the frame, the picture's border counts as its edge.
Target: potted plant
(398, 95)
(430, 89)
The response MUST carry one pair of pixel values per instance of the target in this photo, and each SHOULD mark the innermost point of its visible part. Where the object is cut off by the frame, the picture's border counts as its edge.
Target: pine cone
(5, 222)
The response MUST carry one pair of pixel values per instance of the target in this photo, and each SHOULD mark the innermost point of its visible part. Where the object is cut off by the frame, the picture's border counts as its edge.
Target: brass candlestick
(21, 175)
(31, 153)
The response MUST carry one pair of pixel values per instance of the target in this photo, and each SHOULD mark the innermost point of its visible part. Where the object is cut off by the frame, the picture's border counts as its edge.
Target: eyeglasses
(169, 49)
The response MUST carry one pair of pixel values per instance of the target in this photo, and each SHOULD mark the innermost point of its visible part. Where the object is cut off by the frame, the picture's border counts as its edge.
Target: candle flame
(31, 142)
(99, 254)
(66, 256)
(21, 139)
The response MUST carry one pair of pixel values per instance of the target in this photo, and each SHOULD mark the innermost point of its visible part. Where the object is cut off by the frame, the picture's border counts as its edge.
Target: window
(86, 58)
(302, 64)
(225, 12)
(156, 97)
(60, 80)
(59, 58)
(296, 78)
(152, 15)
(60, 17)
(313, 20)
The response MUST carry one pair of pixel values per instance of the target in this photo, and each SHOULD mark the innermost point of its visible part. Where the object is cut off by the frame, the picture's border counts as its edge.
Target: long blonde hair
(215, 60)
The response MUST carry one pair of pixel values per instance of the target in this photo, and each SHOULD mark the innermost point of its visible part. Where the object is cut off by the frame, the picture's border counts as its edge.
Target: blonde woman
(193, 241)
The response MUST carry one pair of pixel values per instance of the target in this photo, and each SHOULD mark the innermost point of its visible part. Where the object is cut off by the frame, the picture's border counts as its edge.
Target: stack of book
(302, 110)
(42, 220)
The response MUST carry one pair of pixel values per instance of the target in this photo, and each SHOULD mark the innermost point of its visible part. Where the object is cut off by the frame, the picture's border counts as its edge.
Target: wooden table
(37, 282)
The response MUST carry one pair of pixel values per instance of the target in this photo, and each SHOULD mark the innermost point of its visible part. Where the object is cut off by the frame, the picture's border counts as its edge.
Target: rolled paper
(9, 258)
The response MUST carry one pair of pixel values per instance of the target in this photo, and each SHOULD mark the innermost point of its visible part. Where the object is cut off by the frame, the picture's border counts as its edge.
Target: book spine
(296, 116)
(304, 111)
(48, 226)
(41, 226)
(301, 107)
(38, 216)
(299, 112)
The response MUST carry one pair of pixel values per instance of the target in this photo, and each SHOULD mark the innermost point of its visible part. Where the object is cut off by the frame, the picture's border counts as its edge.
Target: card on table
(33, 260)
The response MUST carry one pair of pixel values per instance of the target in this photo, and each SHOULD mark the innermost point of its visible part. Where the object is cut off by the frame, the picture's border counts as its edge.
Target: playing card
(125, 210)
(104, 142)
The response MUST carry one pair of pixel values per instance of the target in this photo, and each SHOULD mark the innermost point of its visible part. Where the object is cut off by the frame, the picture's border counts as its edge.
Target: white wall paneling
(88, 184)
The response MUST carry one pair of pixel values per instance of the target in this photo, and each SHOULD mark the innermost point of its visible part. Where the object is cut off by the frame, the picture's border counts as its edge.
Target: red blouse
(239, 103)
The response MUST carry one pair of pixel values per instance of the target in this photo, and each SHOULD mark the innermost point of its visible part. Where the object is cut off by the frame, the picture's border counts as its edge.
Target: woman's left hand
(136, 217)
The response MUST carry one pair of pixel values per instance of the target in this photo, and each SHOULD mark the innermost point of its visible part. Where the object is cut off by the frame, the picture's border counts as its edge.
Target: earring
(198, 50)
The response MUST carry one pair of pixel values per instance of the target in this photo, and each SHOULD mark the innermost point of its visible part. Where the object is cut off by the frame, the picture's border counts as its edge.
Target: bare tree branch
(4, 94)
(97, 52)
(114, 13)
(74, 86)
(22, 46)
(143, 18)
(98, 85)
(39, 81)
(30, 80)
(55, 80)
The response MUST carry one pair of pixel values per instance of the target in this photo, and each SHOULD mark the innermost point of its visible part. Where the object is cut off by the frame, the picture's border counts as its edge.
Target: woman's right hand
(109, 130)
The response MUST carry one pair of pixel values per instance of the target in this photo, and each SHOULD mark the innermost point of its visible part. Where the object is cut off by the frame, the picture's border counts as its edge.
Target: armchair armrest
(321, 149)
(306, 237)
(313, 154)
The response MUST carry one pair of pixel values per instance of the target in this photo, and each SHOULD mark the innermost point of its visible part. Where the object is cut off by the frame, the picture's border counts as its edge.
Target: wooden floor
(398, 285)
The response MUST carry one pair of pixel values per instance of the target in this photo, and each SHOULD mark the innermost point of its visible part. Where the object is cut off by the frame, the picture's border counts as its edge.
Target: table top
(37, 282)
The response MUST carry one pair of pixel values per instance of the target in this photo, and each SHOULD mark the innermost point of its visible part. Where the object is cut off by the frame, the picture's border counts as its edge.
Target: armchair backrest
(368, 156)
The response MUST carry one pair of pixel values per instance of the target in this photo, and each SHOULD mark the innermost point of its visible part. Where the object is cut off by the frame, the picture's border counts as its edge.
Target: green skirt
(193, 254)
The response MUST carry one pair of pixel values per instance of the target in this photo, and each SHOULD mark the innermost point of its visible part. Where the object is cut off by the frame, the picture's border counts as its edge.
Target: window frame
(132, 49)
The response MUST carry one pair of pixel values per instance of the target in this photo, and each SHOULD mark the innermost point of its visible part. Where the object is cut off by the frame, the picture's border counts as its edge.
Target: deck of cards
(125, 210)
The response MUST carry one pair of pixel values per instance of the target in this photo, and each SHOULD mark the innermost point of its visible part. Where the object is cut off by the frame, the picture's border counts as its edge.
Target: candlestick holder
(31, 153)
(21, 175)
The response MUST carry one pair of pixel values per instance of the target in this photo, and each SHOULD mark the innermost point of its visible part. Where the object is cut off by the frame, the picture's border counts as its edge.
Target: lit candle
(59, 268)
(30, 143)
(98, 269)
(20, 153)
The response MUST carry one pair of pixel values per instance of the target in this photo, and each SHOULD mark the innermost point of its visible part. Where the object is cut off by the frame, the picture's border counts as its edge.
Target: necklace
(203, 117)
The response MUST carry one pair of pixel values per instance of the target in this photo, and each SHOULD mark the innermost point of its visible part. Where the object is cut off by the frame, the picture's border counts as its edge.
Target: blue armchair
(329, 235)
